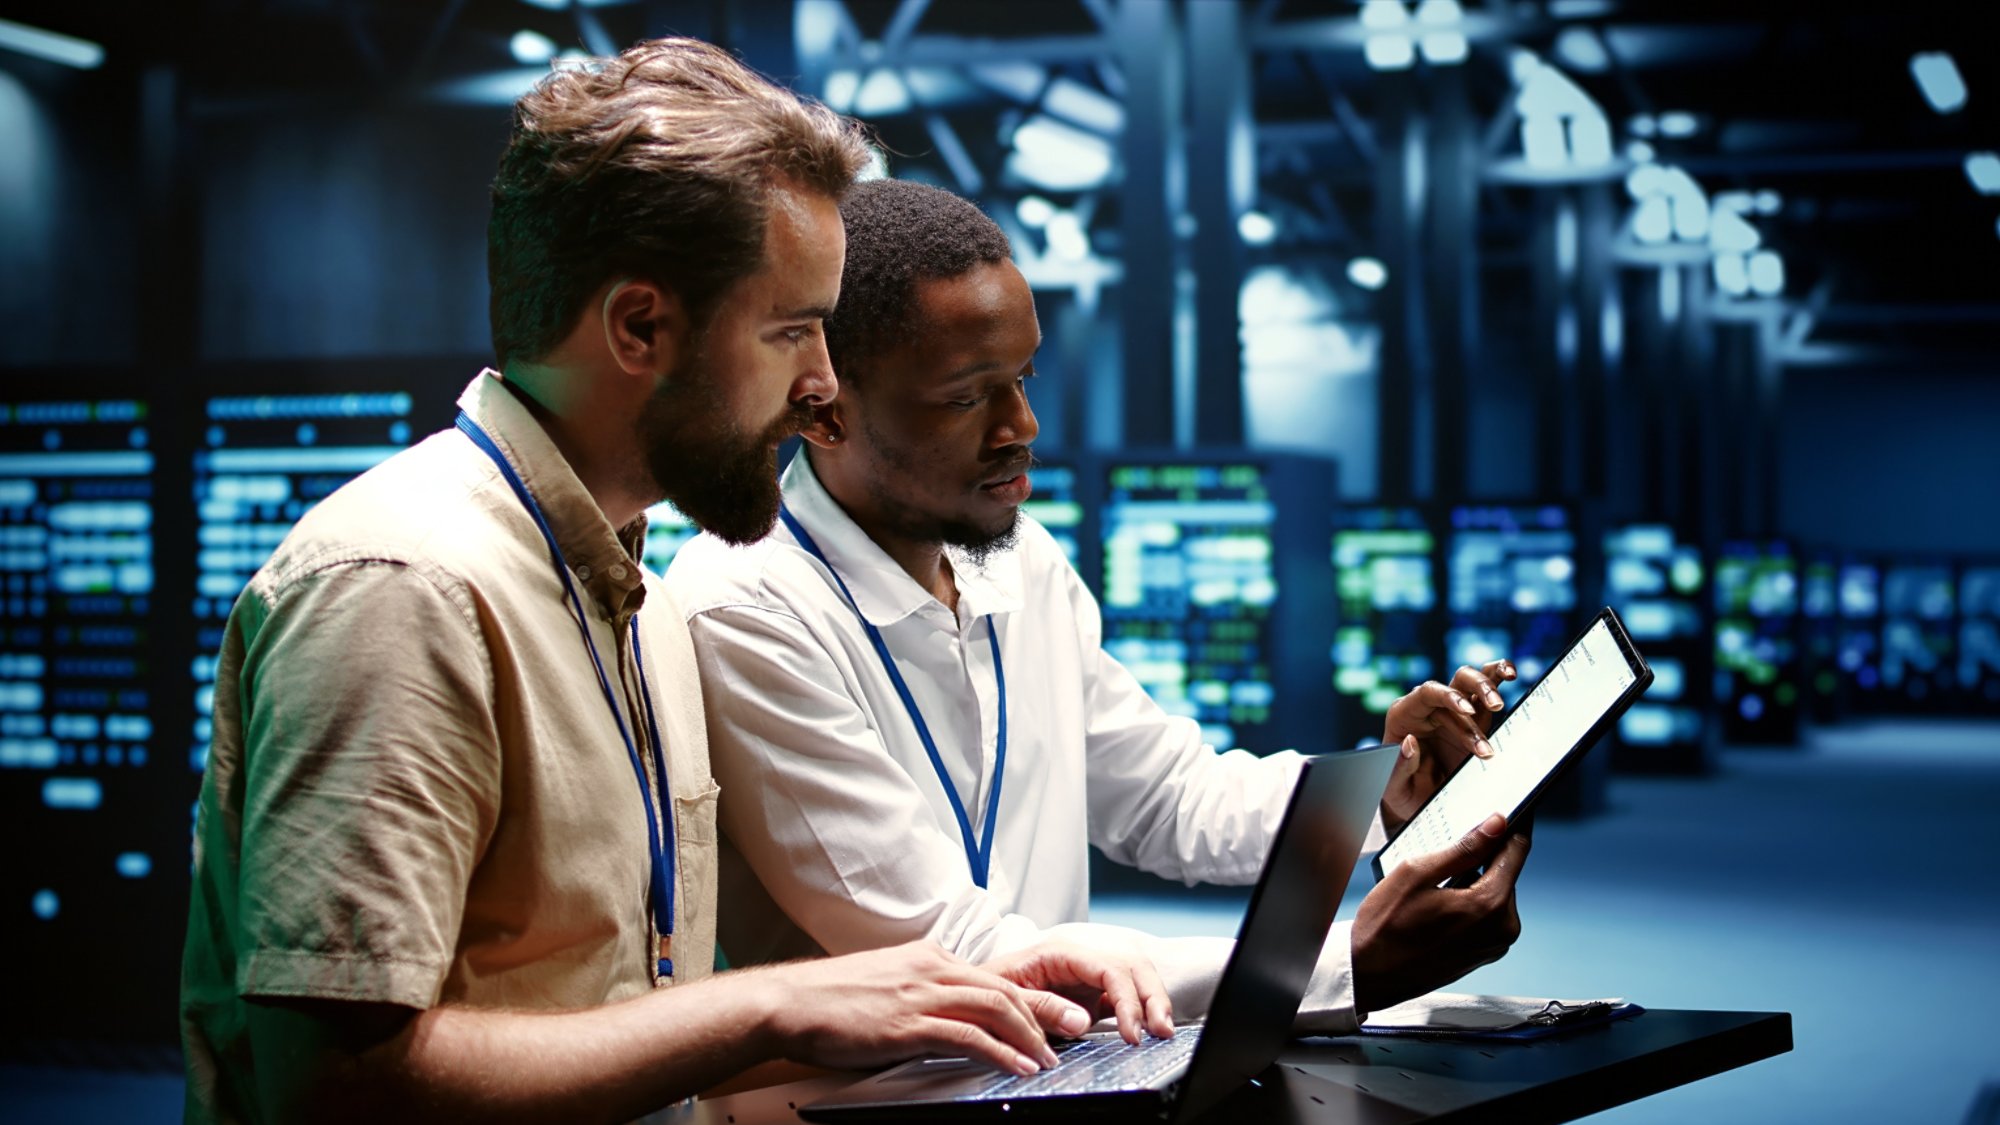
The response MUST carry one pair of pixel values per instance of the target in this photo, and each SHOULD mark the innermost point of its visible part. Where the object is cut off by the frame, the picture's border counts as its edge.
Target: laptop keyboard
(1097, 1066)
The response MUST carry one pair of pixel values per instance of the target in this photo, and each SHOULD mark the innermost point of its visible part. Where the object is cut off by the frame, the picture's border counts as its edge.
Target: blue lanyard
(980, 854)
(661, 846)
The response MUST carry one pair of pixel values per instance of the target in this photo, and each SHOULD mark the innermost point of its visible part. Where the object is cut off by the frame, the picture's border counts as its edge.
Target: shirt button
(618, 573)
(583, 571)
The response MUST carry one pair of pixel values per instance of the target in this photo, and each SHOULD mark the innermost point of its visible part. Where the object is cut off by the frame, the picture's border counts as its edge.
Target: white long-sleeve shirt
(839, 835)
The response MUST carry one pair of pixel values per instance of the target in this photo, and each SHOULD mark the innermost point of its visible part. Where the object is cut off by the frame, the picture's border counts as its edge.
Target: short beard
(724, 480)
(978, 544)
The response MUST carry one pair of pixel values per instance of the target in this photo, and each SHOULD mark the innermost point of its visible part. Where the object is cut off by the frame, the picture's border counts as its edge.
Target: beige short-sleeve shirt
(417, 793)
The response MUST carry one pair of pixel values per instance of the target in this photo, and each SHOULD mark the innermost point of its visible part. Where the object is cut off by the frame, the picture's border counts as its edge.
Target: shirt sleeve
(1167, 803)
(371, 783)
(845, 844)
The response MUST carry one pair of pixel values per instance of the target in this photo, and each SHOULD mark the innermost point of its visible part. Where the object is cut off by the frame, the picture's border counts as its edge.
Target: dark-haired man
(456, 837)
(915, 726)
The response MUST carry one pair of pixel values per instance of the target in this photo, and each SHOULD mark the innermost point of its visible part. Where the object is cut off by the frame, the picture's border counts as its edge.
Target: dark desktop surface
(1362, 1080)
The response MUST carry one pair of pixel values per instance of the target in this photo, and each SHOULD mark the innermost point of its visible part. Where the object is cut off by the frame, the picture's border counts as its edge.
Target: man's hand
(886, 1005)
(1104, 983)
(1439, 725)
(1412, 936)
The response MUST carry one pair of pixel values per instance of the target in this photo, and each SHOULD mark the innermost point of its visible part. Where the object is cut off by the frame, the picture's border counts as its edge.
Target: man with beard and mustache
(916, 729)
(455, 848)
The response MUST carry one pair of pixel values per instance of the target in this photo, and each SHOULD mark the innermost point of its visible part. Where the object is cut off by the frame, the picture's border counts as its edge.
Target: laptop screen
(1290, 912)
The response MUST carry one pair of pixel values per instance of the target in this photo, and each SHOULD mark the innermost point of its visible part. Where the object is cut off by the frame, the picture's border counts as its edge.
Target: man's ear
(645, 327)
(829, 423)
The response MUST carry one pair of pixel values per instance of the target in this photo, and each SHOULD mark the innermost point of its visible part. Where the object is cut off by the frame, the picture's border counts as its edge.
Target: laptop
(1249, 1022)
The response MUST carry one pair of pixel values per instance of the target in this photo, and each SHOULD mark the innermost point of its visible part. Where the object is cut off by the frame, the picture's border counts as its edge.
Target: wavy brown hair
(658, 164)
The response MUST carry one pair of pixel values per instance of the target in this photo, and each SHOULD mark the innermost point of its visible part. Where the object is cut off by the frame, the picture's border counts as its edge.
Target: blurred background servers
(1379, 338)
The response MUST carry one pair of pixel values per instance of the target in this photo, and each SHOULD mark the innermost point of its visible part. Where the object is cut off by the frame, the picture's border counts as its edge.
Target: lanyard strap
(980, 854)
(660, 845)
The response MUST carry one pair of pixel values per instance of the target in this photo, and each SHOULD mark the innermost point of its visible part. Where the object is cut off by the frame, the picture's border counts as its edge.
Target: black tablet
(1591, 684)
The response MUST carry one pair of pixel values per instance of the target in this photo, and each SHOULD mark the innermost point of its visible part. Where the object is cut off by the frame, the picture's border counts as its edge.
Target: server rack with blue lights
(1057, 502)
(1385, 568)
(95, 814)
(1979, 636)
(1656, 581)
(1919, 635)
(1860, 656)
(1756, 642)
(1819, 637)
(1512, 579)
(1215, 591)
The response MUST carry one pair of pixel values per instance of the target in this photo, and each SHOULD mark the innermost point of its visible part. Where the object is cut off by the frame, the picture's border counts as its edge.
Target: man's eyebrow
(981, 366)
(810, 312)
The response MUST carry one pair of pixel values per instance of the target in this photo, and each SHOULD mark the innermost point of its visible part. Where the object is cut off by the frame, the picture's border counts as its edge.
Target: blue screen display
(264, 461)
(1382, 566)
(1190, 586)
(1656, 582)
(1055, 505)
(1511, 589)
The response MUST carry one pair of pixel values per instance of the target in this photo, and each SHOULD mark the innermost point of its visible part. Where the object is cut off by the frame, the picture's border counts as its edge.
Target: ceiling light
(1444, 48)
(1767, 273)
(1437, 12)
(51, 46)
(1034, 211)
(1581, 48)
(1731, 275)
(1937, 76)
(882, 94)
(1066, 237)
(531, 48)
(1983, 169)
(1368, 273)
(1381, 15)
(1678, 123)
(1389, 52)
(1257, 228)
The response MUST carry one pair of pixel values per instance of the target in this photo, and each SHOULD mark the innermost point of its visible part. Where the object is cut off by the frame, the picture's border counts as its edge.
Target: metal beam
(1220, 171)
(1149, 53)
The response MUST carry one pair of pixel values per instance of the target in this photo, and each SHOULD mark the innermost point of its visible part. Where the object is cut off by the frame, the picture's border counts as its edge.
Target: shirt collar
(883, 591)
(605, 561)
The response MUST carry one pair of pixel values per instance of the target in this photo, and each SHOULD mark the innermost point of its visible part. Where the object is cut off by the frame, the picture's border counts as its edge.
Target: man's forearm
(454, 1063)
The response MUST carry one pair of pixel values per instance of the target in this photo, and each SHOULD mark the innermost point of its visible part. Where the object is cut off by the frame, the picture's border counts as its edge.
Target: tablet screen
(1528, 745)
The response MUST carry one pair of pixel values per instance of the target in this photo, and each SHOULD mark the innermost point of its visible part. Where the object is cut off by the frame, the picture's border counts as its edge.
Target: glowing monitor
(1511, 588)
(1383, 563)
(263, 461)
(1215, 596)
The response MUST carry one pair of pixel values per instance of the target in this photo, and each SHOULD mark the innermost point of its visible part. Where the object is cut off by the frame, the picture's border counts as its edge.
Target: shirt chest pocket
(695, 850)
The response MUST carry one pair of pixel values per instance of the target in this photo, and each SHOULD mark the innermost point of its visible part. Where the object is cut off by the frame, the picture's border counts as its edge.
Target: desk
(1382, 1081)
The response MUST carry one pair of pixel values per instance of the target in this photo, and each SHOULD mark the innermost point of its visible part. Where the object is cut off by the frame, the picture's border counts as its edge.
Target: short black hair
(900, 232)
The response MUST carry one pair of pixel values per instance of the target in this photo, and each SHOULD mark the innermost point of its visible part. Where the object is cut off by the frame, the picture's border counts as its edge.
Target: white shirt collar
(882, 590)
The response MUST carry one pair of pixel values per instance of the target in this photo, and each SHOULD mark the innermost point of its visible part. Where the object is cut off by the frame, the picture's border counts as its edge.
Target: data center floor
(1852, 882)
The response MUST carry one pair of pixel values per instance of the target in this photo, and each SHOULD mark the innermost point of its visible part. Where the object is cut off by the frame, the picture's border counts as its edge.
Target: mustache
(1015, 466)
(796, 417)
